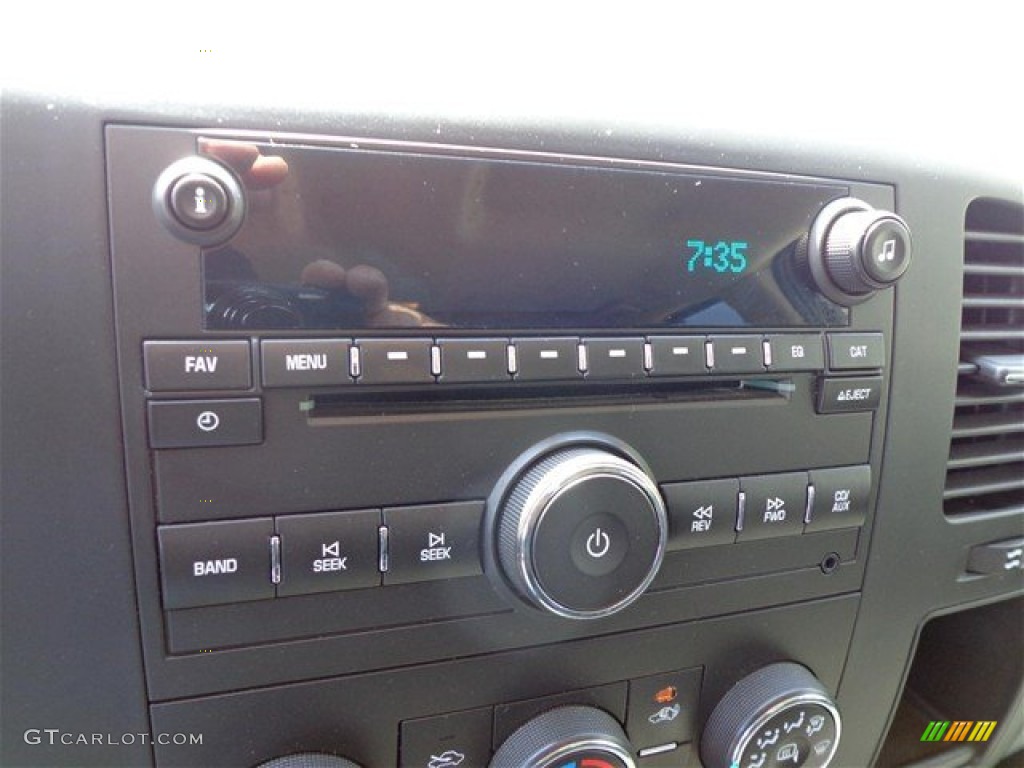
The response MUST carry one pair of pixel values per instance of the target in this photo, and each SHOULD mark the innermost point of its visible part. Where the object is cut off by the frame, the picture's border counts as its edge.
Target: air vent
(985, 472)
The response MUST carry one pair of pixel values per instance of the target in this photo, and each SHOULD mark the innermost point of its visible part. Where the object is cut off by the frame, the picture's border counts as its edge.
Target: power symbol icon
(598, 543)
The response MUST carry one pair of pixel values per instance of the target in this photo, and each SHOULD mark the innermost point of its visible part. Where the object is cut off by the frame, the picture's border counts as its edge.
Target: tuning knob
(308, 760)
(854, 250)
(567, 737)
(581, 532)
(778, 716)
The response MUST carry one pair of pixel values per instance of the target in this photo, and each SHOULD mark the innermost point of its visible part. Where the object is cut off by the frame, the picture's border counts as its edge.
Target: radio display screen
(355, 239)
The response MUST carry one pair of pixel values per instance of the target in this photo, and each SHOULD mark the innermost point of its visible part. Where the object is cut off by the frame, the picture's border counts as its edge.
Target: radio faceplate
(248, 442)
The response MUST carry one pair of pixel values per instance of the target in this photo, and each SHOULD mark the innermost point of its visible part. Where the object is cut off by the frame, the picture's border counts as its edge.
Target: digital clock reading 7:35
(723, 256)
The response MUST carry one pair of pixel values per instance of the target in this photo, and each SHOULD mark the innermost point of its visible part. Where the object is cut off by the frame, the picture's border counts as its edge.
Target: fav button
(214, 563)
(182, 366)
(439, 541)
(328, 551)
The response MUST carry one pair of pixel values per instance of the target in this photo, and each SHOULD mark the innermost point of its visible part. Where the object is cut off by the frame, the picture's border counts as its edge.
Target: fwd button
(772, 505)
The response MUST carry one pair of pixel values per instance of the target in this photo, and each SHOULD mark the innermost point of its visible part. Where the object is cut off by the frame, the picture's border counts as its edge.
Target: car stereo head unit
(389, 404)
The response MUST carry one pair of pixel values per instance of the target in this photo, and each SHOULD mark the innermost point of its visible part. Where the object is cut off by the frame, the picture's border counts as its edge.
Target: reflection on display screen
(354, 239)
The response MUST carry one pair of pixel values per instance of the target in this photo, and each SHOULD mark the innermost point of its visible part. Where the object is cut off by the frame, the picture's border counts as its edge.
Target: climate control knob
(581, 532)
(778, 716)
(308, 760)
(854, 250)
(567, 737)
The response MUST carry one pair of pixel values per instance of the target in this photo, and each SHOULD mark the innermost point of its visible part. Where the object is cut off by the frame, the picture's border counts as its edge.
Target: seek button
(439, 541)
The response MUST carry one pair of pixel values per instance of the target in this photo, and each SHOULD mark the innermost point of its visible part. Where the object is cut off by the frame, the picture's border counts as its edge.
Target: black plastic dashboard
(368, 437)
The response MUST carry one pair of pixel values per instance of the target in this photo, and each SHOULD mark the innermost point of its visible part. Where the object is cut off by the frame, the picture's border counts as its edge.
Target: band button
(215, 563)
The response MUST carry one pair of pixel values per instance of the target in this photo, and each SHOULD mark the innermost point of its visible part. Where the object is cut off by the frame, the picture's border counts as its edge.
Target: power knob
(780, 715)
(854, 250)
(581, 532)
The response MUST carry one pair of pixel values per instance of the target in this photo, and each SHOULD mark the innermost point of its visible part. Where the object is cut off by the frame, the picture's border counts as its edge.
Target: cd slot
(393, 402)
